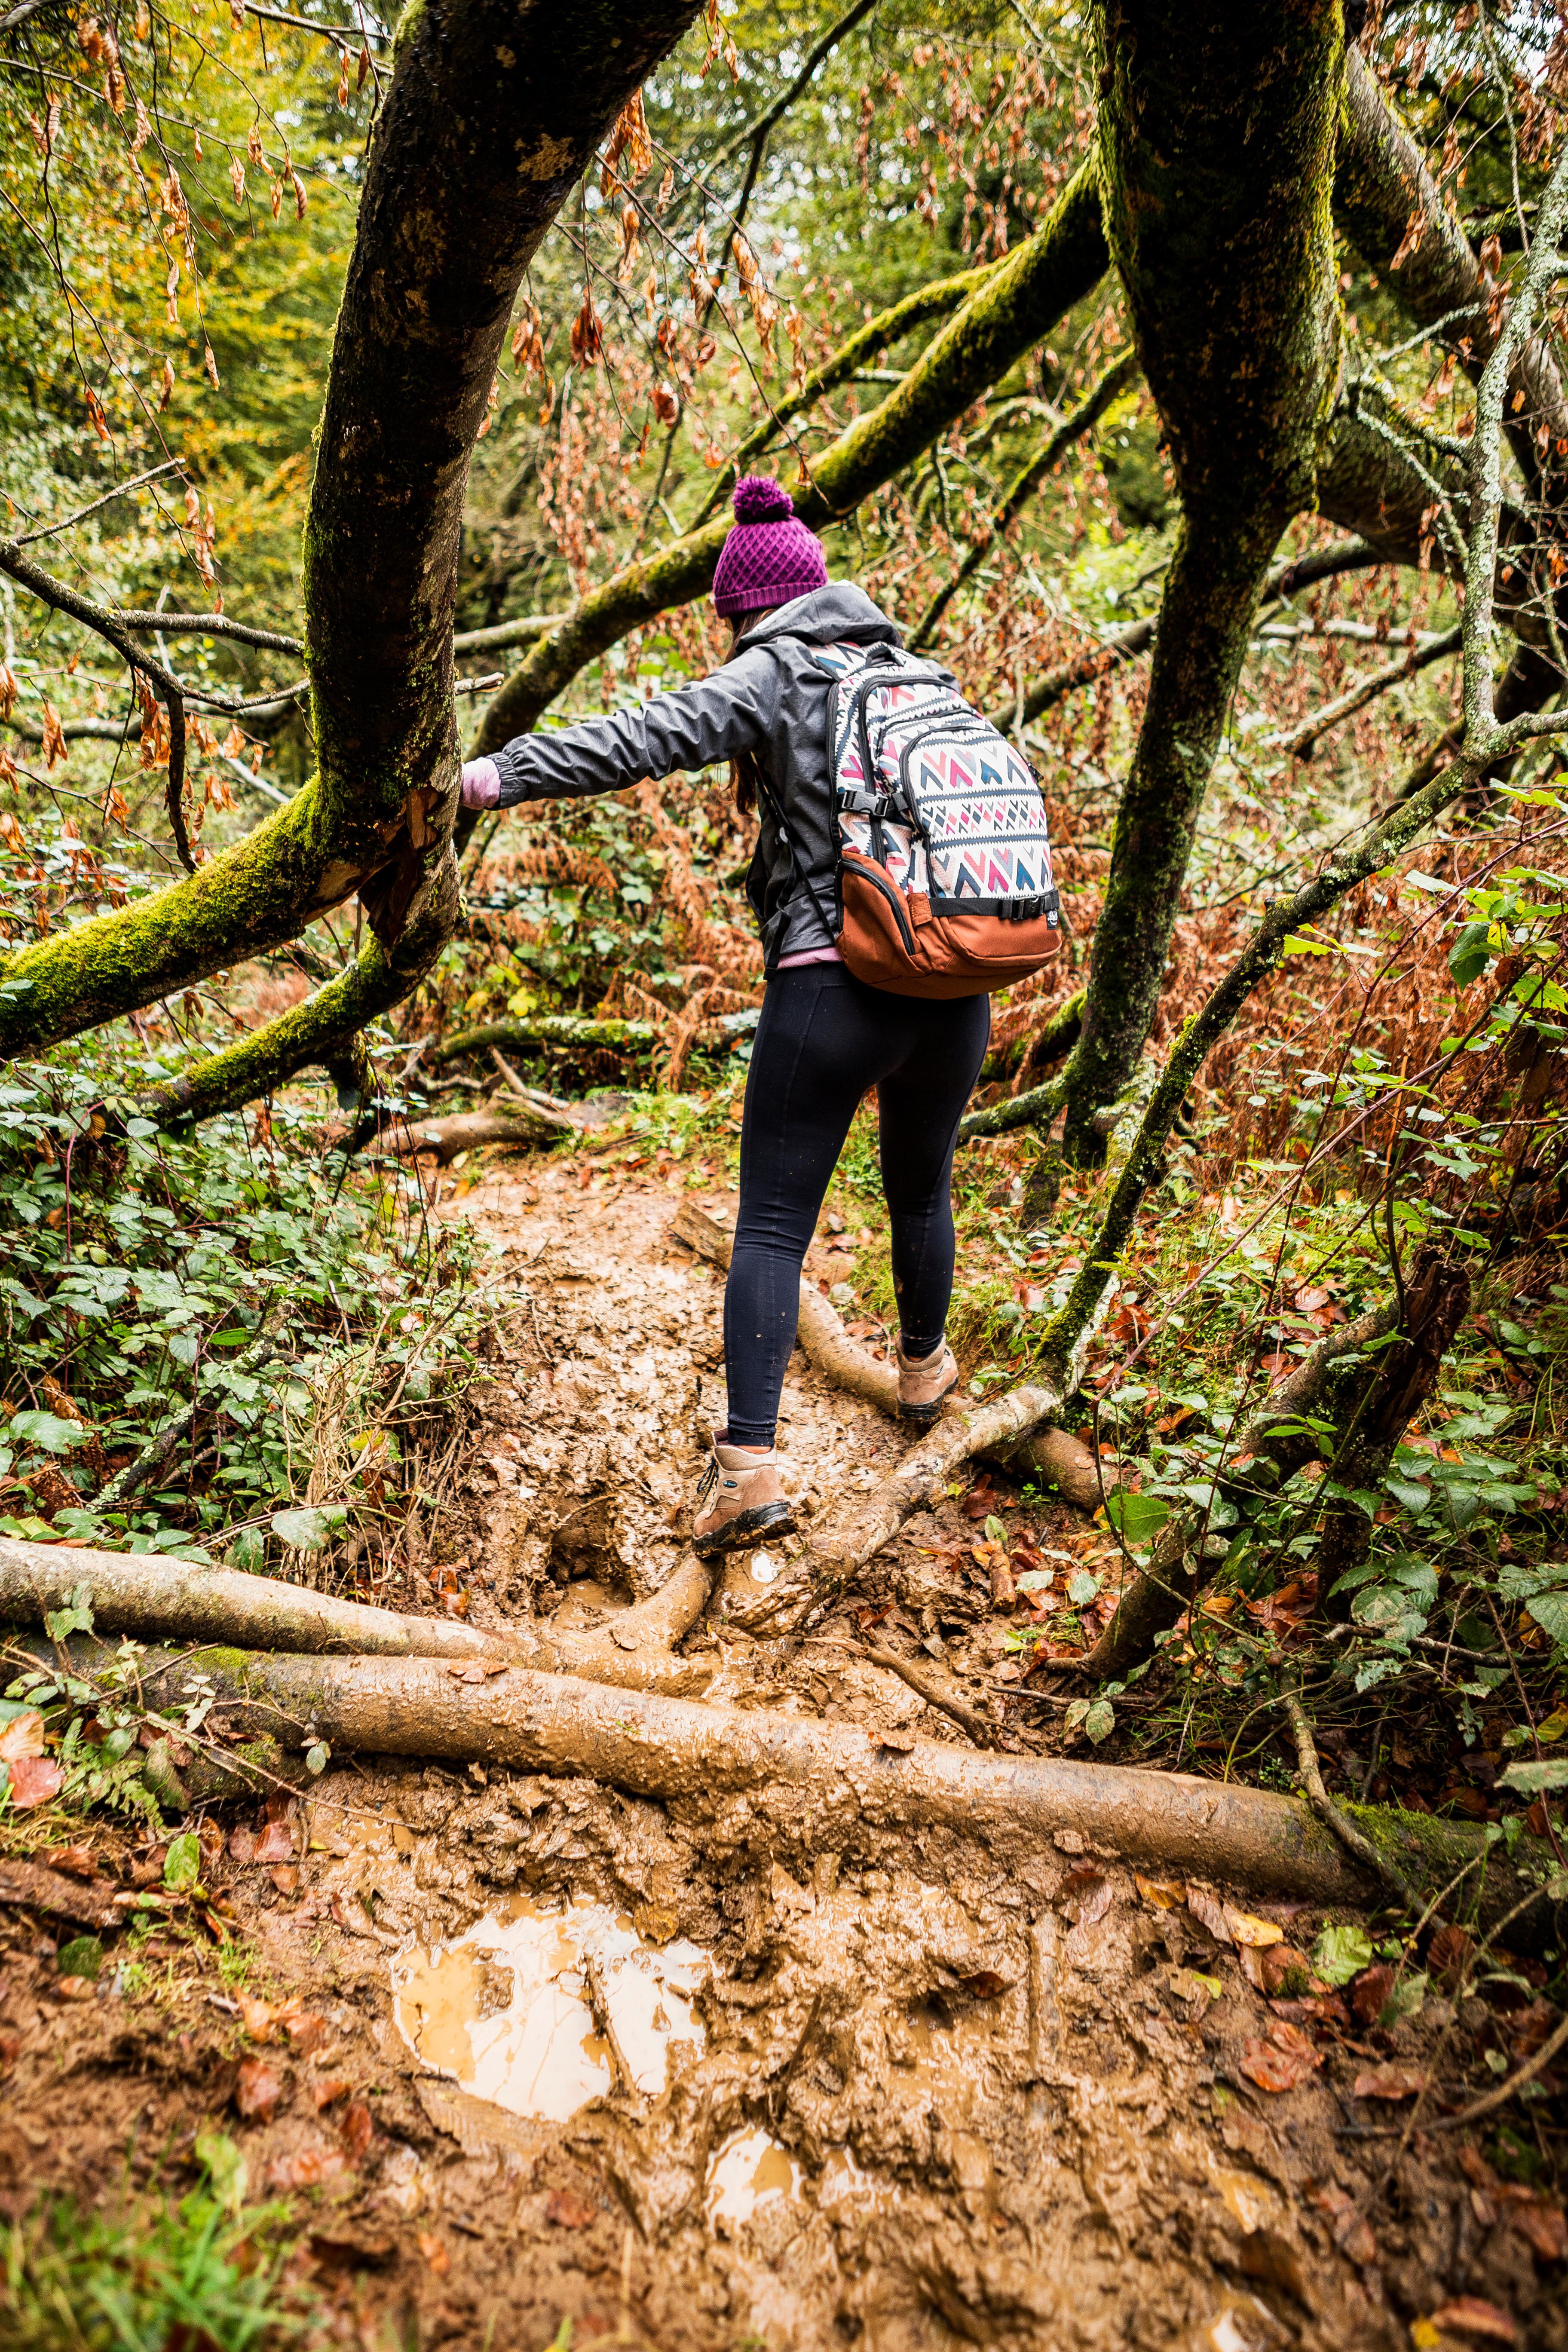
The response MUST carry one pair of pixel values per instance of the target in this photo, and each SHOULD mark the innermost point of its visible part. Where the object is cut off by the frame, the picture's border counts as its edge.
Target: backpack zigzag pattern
(927, 788)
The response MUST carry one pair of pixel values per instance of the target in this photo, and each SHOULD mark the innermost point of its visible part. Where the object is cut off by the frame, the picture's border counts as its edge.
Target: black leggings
(823, 1039)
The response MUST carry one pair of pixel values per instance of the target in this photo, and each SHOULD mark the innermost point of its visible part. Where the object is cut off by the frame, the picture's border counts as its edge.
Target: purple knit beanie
(769, 558)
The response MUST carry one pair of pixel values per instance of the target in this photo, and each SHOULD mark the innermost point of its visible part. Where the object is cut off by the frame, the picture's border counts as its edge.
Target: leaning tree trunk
(490, 115)
(1216, 136)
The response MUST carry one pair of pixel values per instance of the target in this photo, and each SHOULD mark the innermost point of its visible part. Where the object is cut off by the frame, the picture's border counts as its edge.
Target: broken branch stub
(823, 1781)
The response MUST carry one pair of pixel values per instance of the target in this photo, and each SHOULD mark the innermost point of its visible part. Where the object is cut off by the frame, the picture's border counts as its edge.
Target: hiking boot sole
(923, 1416)
(746, 1527)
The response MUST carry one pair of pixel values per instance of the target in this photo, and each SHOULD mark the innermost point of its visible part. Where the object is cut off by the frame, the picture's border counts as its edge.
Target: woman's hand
(481, 785)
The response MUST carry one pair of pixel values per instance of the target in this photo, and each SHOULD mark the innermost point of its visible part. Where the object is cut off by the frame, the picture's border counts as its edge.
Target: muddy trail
(533, 2052)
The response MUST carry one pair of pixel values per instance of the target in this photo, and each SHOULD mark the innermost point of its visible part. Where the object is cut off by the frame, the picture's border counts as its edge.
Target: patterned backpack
(942, 878)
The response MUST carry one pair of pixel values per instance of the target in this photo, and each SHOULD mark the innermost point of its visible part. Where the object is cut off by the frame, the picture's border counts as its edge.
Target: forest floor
(534, 2061)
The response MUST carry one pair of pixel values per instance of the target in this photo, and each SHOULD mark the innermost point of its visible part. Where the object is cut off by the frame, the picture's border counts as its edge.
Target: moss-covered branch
(577, 1031)
(1018, 300)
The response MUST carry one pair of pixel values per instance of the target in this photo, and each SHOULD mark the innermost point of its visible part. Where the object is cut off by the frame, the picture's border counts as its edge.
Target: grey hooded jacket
(770, 699)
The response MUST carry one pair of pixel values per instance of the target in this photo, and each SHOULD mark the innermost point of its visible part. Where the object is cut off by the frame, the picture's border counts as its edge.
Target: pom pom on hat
(759, 499)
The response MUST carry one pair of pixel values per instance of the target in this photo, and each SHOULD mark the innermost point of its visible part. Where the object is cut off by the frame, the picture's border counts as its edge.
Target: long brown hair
(747, 780)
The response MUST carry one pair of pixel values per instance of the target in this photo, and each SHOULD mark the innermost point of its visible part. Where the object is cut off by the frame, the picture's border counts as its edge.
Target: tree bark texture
(824, 1781)
(491, 114)
(1216, 140)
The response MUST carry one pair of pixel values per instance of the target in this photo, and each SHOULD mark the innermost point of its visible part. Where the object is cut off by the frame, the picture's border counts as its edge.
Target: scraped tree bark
(492, 110)
(1216, 139)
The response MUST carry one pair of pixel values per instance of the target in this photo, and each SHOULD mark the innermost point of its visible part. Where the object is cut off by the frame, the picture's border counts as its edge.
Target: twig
(1355, 1842)
(927, 1687)
(120, 491)
(1505, 2090)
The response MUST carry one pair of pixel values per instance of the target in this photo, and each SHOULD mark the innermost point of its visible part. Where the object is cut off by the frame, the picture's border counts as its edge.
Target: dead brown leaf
(76, 1861)
(1210, 1912)
(568, 2211)
(1390, 2083)
(306, 2167)
(1283, 2061)
(1470, 2316)
(22, 1737)
(34, 1779)
(257, 2091)
(477, 1670)
(329, 2090)
(1258, 1934)
(276, 1843)
(435, 2252)
(1161, 1894)
(356, 2130)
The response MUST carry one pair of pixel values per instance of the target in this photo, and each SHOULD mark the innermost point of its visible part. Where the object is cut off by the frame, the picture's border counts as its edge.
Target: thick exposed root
(703, 1757)
(162, 1600)
(1062, 1460)
(523, 1124)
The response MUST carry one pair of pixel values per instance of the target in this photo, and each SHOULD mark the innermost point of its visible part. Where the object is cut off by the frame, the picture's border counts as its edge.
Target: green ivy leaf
(1531, 1780)
(308, 1530)
(1137, 1518)
(1101, 1720)
(1082, 1587)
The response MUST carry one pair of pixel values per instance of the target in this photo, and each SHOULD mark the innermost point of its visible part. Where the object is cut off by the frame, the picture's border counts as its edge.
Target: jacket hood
(839, 610)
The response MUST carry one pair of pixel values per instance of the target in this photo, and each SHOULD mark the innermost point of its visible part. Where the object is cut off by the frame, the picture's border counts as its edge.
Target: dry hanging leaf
(477, 1670)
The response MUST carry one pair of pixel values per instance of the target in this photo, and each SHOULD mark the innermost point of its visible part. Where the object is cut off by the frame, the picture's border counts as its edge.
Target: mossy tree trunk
(1216, 139)
(490, 115)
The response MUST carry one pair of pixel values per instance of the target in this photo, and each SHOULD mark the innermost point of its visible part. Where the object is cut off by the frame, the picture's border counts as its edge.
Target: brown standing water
(669, 2076)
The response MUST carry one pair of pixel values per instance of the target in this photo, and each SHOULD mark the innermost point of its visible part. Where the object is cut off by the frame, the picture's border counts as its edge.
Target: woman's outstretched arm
(712, 719)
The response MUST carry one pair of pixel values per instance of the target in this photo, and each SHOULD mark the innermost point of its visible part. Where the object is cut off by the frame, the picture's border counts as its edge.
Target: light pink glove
(481, 785)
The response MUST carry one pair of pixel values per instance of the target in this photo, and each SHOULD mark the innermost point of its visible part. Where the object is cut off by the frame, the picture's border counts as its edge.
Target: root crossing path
(696, 2071)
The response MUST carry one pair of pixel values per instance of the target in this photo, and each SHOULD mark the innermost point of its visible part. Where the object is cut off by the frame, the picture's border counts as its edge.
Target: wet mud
(674, 2075)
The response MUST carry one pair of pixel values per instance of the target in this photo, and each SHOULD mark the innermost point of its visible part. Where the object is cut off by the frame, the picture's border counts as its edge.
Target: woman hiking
(825, 1037)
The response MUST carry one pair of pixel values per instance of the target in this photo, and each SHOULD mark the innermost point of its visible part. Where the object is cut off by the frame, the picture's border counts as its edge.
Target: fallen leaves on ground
(1281, 2059)
(276, 1843)
(306, 2167)
(33, 1781)
(329, 2090)
(434, 2253)
(1257, 1934)
(477, 1670)
(76, 1861)
(356, 2130)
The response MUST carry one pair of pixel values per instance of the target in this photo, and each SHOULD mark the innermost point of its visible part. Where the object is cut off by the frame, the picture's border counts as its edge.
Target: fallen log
(526, 1036)
(823, 1781)
(156, 1599)
(1051, 1453)
(523, 1124)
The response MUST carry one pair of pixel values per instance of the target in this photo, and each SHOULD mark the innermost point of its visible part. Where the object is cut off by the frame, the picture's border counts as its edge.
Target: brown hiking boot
(926, 1382)
(740, 1500)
